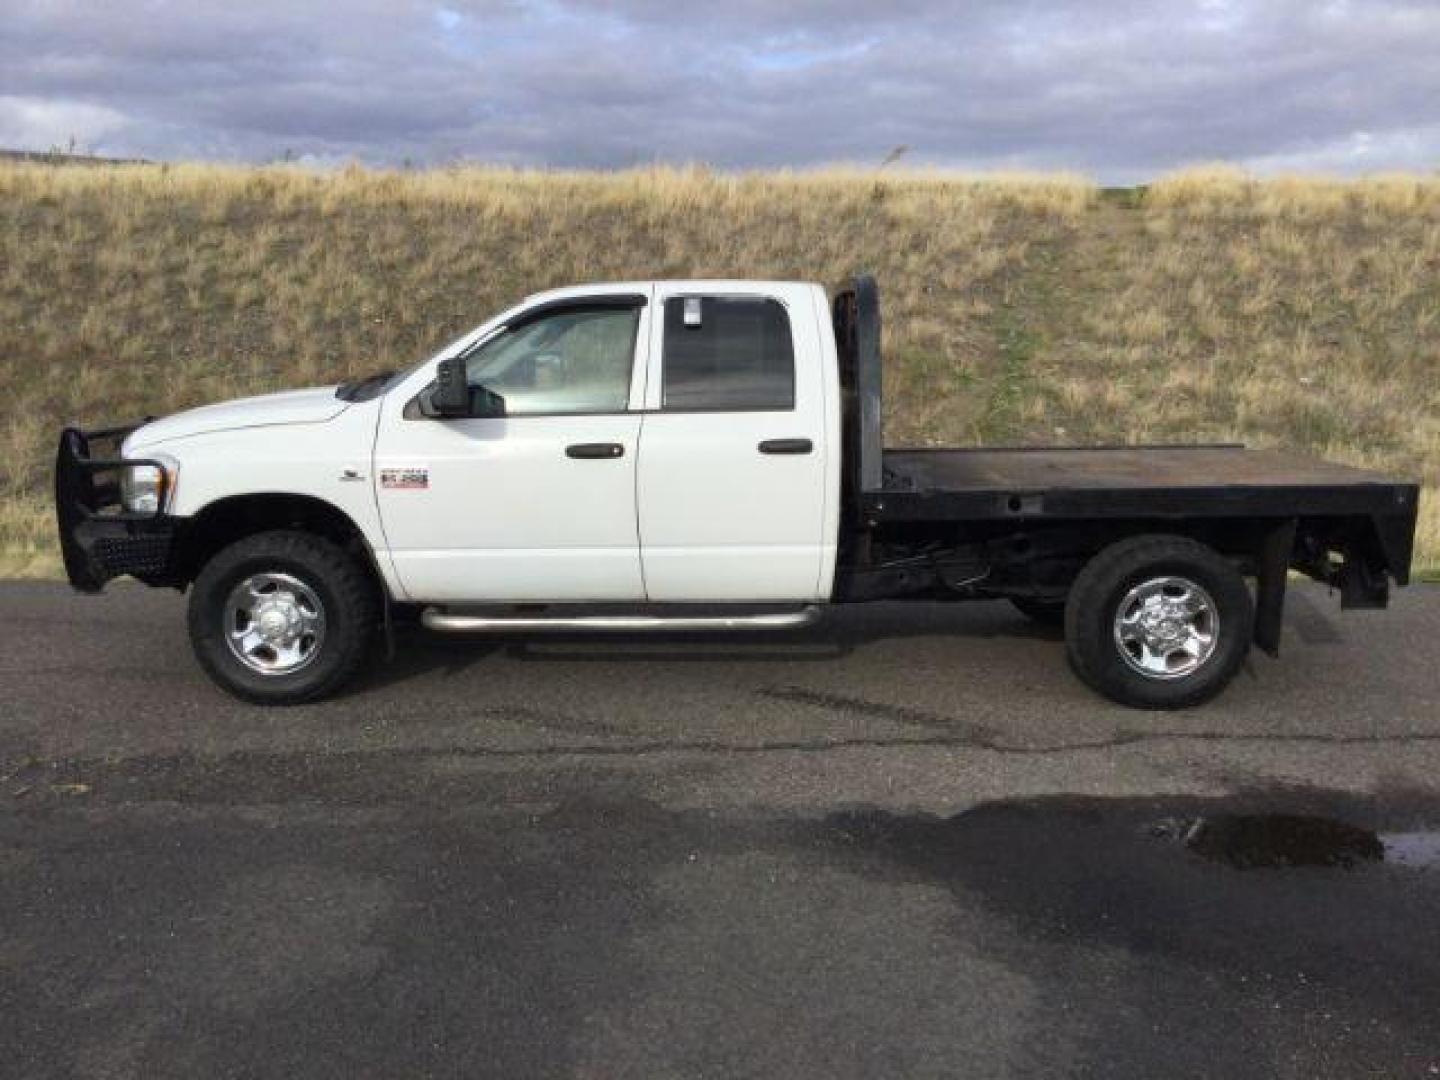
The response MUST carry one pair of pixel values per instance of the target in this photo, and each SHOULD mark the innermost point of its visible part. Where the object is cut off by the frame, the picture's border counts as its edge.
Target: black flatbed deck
(1126, 481)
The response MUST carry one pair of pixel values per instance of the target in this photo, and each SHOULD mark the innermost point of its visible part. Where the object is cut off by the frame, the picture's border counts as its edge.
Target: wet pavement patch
(1178, 922)
(1255, 841)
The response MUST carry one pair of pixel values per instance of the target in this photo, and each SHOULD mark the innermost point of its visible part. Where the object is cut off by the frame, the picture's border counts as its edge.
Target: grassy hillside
(1025, 309)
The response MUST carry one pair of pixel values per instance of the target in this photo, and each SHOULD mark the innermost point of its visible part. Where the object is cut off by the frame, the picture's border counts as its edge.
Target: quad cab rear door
(735, 492)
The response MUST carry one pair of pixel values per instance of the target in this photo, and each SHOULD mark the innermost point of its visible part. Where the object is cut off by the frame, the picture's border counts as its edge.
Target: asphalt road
(905, 843)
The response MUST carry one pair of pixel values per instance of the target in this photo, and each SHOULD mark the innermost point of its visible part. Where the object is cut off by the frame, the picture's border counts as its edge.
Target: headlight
(144, 489)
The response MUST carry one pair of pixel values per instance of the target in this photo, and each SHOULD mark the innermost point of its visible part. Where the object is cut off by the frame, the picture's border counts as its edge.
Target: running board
(439, 619)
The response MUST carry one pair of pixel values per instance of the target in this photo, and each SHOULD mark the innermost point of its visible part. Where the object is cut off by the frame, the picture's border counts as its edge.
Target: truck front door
(537, 504)
(732, 473)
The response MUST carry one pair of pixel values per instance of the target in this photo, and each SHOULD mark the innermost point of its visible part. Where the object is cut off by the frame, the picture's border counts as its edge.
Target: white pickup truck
(690, 455)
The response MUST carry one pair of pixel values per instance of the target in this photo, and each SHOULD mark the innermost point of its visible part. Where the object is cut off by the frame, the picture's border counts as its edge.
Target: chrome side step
(435, 618)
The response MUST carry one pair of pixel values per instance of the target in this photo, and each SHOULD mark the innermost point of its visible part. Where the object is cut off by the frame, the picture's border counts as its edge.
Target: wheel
(1044, 612)
(282, 617)
(1158, 622)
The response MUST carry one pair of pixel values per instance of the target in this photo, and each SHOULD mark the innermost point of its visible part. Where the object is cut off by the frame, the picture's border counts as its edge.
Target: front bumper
(99, 540)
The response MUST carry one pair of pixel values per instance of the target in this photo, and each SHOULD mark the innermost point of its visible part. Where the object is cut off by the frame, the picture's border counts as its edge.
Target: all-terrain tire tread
(351, 614)
(1089, 645)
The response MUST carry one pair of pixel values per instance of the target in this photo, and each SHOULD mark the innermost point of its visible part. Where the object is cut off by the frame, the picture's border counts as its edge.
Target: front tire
(1158, 622)
(282, 617)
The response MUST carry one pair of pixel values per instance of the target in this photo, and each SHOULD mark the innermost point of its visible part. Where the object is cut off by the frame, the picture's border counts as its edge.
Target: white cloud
(33, 123)
(1414, 149)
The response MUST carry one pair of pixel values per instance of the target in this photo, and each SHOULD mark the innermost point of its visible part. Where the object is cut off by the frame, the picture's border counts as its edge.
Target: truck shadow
(840, 632)
(1310, 622)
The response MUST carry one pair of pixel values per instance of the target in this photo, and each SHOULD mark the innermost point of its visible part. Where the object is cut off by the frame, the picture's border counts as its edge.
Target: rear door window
(725, 353)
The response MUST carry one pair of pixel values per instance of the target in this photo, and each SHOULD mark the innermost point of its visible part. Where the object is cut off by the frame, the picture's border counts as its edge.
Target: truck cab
(692, 455)
(661, 442)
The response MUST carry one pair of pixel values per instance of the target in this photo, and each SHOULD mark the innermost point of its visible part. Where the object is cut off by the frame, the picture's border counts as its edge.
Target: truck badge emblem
(409, 478)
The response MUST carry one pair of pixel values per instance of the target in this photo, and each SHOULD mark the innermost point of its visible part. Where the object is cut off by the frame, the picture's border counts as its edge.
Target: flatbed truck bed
(1066, 483)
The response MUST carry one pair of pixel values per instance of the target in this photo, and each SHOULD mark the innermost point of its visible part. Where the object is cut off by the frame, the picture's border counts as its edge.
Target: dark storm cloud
(1119, 88)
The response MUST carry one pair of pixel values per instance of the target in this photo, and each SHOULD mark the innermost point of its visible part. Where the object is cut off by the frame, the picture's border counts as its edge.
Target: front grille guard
(87, 489)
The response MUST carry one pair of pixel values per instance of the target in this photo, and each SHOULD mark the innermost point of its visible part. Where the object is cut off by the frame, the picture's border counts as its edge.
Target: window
(575, 360)
(728, 353)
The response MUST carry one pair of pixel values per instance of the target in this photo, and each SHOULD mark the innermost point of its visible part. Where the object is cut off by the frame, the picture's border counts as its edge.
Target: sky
(1121, 90)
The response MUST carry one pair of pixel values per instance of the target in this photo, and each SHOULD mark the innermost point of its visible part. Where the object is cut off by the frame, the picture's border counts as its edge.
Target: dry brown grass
(1025, 308)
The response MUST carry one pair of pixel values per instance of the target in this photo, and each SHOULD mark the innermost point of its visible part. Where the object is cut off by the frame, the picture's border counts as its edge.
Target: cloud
(50, 123)
(1411, 149)
(1119, 88)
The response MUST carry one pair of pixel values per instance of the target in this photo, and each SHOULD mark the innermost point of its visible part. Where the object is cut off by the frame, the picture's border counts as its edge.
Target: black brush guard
(99, 539)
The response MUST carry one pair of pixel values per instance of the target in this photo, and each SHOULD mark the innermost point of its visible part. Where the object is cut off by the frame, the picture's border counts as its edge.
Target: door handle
(589, 451)
(786, 446)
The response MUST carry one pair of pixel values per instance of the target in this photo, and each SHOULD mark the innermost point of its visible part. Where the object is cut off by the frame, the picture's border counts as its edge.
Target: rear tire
(283, 617)
(1158, 622)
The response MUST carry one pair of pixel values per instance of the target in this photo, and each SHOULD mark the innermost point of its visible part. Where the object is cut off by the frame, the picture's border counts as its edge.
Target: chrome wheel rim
(274, 623)
(1166, 628)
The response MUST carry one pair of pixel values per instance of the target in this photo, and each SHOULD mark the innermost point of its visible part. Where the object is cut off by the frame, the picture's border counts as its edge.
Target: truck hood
(311, 406)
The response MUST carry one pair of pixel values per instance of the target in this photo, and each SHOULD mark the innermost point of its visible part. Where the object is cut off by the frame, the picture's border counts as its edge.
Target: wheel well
(227, 520)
